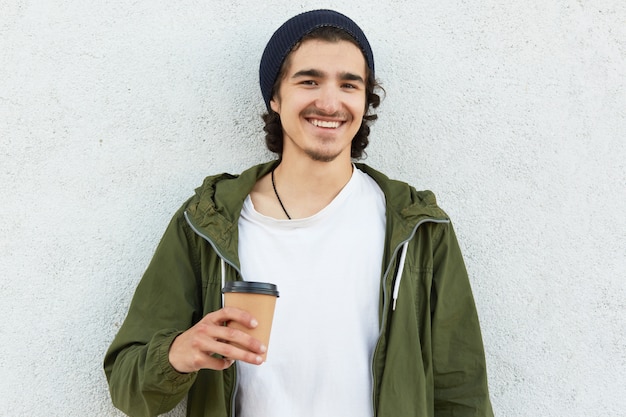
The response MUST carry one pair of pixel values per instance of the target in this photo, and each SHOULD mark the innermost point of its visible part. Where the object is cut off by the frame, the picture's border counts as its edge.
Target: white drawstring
(396, 285)
(223, 268)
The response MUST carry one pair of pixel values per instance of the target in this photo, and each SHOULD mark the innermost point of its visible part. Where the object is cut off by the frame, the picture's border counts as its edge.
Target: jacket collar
(214, 210)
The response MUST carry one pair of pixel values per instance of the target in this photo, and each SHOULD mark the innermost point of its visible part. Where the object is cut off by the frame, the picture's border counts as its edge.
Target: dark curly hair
(273, 127)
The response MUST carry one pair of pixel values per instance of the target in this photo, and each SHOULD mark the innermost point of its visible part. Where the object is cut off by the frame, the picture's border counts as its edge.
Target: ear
(275, 105)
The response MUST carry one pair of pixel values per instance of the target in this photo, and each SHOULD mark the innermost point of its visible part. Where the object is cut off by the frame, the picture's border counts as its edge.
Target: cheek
(359, 107)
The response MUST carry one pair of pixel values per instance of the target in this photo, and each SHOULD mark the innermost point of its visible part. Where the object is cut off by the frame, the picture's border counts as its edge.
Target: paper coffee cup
(258, 299)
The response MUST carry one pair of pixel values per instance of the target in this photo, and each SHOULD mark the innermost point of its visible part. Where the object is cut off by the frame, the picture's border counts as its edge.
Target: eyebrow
(345, 76)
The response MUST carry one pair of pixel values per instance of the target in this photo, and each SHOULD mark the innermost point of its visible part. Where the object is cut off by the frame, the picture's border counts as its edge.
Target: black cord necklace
(278, 197)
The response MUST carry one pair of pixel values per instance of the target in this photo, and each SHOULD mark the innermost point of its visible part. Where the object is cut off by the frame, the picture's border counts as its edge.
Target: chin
(323, 156)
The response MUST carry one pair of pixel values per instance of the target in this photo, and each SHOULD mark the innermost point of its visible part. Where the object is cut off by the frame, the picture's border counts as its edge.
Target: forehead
(326, 55)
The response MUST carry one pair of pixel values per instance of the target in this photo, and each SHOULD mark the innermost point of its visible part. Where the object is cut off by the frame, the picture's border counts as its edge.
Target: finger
(207, 339)
(221, 363)
(235, 352)
(210, 338)
(233, 334)
(204, 354)
(230, 343)
(227, 314)
(208, 361)
(189, 353)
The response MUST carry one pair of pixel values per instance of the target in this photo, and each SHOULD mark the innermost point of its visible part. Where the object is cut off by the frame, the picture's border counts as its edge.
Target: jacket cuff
(167, 369)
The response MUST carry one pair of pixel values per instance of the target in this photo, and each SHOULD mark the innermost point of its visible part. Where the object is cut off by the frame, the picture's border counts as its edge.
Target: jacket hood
(403, 199)
(223, 195)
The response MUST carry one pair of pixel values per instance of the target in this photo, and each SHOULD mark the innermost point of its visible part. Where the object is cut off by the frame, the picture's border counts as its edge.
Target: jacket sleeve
(460, 375)
(167, 301)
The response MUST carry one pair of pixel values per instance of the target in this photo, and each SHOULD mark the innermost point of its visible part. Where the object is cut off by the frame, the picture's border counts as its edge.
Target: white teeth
(321, 123)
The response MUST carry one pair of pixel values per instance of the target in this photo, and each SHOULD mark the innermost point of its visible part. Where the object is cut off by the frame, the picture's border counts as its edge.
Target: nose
(328, 99)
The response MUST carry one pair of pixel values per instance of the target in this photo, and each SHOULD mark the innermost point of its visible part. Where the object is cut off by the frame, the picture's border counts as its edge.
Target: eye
(308, 82)
(349, 86)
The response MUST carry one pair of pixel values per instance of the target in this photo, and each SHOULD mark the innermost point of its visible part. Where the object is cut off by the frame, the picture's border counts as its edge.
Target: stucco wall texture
(514, 113)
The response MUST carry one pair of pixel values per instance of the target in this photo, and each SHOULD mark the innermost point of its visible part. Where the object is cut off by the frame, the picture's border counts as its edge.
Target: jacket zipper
(385, 308)
(223, 258)
(213, 245)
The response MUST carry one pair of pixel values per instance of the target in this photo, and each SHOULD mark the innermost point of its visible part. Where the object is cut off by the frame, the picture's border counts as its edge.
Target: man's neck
(304, 187)
(301, 179)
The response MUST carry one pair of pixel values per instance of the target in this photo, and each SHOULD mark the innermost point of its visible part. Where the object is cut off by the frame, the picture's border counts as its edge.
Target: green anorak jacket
(428, 361)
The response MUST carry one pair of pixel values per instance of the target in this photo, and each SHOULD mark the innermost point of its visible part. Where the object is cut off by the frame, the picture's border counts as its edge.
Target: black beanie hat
(292, 31)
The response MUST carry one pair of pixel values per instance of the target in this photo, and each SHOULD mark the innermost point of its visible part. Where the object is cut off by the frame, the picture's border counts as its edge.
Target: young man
(376, 315)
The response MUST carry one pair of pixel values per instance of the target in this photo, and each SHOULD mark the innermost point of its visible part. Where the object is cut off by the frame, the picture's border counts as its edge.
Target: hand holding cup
(211, 345)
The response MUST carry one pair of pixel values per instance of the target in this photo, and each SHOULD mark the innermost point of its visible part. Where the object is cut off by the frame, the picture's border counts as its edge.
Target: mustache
(313, 111)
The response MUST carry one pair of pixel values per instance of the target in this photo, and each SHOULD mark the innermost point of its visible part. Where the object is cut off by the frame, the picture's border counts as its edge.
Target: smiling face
(321, 100)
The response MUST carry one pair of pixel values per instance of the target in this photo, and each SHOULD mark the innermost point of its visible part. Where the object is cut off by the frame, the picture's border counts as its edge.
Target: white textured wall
(514, 113)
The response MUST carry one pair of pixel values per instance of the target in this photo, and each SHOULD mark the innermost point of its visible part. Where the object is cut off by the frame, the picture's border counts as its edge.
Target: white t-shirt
(327, 268)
